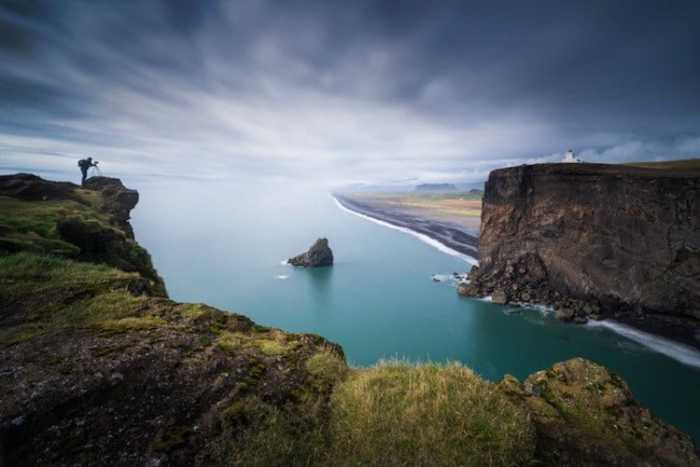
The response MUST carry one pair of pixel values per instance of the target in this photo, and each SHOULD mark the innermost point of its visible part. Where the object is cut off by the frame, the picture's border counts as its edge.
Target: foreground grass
(395, 413)
(402, 414)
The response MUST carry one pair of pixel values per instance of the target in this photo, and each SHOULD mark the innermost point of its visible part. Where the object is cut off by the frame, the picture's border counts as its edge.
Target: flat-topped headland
(595, 241)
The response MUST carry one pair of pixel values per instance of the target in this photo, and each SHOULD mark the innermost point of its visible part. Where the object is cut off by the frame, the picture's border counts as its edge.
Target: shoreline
(446, 238)
(654, 334)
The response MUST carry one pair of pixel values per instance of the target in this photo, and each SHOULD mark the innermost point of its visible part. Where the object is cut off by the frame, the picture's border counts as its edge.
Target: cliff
(615, 240)
(99, 367)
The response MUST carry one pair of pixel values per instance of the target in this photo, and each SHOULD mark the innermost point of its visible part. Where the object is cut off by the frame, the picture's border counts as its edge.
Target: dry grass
(451, 204)
(400, 414)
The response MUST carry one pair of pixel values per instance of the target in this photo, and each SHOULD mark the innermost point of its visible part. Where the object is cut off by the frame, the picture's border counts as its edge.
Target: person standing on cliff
(85, 165)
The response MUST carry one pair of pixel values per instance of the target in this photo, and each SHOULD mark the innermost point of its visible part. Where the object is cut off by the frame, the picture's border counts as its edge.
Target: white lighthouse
(570, 157)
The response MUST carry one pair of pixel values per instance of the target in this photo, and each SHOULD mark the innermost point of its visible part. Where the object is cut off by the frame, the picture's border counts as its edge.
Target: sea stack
(319, 255)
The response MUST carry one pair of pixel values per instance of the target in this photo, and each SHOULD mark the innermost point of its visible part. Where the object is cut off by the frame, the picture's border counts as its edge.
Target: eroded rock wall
(614, 235)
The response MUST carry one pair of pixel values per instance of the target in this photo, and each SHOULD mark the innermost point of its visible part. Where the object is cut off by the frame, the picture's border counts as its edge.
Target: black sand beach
(450, 235)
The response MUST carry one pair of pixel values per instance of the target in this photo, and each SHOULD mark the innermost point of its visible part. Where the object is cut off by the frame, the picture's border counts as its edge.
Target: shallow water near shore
(225, 246)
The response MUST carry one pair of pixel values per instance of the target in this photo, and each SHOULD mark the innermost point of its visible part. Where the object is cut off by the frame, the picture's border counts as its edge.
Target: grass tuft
(326, 367)
(401, 414)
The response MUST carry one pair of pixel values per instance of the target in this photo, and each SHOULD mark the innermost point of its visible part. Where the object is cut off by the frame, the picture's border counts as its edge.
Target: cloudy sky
(346, 91)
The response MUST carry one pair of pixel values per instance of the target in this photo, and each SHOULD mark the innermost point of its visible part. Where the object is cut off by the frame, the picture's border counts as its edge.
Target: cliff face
(98, 367)
(615, 236)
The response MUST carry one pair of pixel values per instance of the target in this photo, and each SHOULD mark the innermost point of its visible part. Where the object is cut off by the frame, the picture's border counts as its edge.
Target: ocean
(225, 245)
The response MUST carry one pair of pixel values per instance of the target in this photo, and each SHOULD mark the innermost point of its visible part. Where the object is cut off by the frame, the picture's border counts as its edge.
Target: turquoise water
(224, 246)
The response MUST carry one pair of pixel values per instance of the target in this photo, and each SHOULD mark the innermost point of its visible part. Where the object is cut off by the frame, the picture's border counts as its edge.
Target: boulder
(564, 314)
(499, 297)
(319, 255)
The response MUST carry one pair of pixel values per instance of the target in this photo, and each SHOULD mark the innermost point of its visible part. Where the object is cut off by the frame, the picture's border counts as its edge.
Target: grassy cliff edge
(99, 367)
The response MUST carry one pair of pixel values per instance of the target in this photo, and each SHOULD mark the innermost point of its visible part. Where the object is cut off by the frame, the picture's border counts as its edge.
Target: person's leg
(84, 171)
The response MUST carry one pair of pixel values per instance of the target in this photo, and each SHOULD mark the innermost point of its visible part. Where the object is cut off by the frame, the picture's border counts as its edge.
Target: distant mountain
(436, 187)
(458, 186)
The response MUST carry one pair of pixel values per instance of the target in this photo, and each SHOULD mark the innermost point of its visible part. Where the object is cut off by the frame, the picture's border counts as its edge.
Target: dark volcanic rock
(100, 243)
(319, 254)
(28, 187)
(118, 200)
(593, 238)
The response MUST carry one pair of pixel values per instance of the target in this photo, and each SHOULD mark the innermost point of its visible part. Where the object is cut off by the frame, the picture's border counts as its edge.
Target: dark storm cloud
(345, 90)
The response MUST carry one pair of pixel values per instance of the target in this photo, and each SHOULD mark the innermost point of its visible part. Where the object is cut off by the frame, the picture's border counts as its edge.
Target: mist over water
(225, 244)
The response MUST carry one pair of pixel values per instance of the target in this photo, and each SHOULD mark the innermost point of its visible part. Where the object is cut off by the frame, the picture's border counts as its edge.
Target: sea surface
(225, 245)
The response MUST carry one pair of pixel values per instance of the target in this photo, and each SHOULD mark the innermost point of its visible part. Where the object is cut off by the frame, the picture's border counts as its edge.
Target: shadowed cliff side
(594, 240)
(98, 367)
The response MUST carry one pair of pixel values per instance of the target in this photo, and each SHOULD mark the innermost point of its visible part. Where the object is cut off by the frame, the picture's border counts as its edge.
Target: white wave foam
(284, 262)
(282, 277)
(430, 241)
(440, 277)
(675, 350)
(544, 309)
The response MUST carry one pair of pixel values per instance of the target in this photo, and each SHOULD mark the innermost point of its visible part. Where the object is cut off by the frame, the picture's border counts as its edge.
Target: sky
(337, 92)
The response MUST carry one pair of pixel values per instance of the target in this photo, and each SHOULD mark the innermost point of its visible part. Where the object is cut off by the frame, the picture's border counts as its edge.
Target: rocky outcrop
(118, 201)
(592, 238)
(578, 407)
(29, 187)
(89, 223)
(319, 255)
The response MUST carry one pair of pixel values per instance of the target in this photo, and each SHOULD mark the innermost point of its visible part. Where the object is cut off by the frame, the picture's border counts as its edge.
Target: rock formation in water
(99, 367)
(319, 255)
(592, 239)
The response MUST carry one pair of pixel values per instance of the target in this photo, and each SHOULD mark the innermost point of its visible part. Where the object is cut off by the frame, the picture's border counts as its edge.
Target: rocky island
(99, 367)
(595, 240)
(319, 255)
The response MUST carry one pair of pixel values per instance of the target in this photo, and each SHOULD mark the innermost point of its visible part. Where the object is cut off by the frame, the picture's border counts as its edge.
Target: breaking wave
(675, 350)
